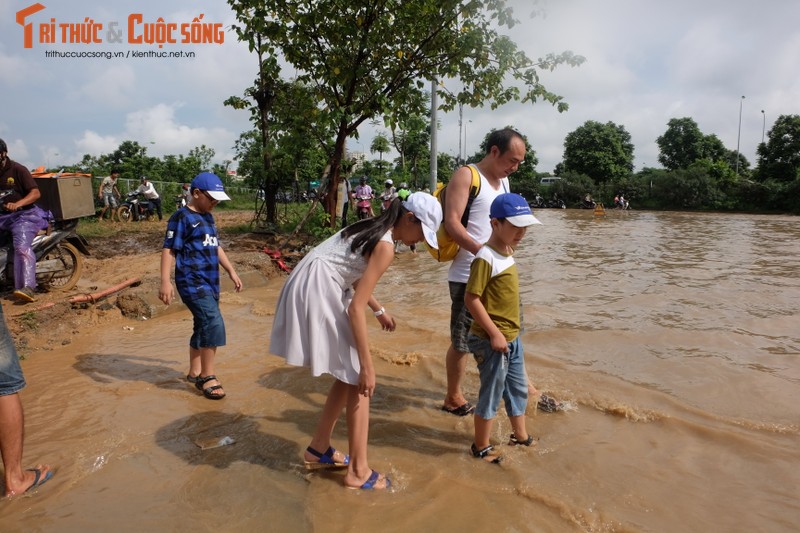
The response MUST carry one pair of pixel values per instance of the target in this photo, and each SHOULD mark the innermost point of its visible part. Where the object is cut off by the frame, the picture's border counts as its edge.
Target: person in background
(23, 219)
(363, 192)
(492, 298)
(147, 190)
(344, 194)
(12, 422)
(403, 191)
(193, 243)
(109, 193)
(321, 322)
(388, 194)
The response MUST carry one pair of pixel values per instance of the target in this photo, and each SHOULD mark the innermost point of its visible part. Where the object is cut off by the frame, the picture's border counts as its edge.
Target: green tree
(370, 58)
(604, 152)
(683, 143)
(779, 157)
(380, 144)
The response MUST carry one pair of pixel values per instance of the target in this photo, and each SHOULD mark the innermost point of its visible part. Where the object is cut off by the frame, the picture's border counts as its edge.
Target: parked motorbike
(180, 201)
(135, 207)
(540, 203)
(363, 204)
(59, 255)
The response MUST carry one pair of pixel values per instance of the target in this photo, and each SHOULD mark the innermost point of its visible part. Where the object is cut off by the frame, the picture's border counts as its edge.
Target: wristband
(379, 312)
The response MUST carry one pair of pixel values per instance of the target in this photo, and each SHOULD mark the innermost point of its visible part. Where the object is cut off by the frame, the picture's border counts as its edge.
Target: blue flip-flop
(38, 481)
(370, 483)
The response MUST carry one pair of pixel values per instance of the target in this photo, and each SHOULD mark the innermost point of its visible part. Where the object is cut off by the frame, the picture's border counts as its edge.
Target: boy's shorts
(11, 378)
(460, 319)
(209, 328)
(502, 376)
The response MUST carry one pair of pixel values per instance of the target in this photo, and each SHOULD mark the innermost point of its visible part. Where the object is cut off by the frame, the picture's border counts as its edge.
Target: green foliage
(683, 144)
(779, 157)
(604, 152)
(369, 59)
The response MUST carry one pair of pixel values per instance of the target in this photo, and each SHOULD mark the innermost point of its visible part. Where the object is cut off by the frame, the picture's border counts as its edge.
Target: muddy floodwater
(673, 338)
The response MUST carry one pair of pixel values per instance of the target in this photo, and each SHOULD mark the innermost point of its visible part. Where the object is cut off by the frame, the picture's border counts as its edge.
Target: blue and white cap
(513, 208)
(206, 181)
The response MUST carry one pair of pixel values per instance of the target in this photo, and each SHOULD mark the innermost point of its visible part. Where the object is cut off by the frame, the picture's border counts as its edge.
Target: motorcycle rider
(147, 190)
(364, 192)
(388, 194)
(21, 217)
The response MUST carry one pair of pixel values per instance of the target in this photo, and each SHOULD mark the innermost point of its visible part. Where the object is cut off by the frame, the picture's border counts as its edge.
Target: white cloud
(647, 62)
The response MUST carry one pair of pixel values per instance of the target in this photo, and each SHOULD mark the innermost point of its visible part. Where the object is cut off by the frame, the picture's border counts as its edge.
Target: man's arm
(456, 203)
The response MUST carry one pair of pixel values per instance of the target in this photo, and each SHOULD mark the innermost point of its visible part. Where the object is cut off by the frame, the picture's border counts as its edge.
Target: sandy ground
(52, 320)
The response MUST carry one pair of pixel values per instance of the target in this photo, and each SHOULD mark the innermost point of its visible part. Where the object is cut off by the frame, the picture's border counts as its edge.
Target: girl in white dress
(320, 322)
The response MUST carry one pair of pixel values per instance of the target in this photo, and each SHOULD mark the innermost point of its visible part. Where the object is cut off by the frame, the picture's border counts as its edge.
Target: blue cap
(206, 181)
(513, 208)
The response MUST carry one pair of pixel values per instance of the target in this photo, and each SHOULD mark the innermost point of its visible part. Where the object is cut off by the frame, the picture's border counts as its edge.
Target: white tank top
(478, 227)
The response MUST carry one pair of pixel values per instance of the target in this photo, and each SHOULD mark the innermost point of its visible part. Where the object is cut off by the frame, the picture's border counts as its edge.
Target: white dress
(311, 326)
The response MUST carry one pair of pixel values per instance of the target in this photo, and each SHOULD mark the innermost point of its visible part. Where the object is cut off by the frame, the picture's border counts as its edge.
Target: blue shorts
(11, 378)
(502, 376)
(209, 329)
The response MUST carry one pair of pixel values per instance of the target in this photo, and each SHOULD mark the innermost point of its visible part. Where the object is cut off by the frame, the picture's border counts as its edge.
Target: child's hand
(166, 293)
(366, 382)
(237, 283)
(499, 342)
(387, 322)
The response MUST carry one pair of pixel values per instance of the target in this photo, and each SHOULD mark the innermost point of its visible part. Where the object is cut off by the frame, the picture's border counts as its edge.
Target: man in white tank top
(505, 151)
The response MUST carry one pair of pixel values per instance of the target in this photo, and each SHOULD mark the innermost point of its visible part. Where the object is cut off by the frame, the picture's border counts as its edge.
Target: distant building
(358, 159)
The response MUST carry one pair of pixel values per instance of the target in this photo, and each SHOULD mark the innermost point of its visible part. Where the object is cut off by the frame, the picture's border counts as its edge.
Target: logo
(195, 224)
(136, 30)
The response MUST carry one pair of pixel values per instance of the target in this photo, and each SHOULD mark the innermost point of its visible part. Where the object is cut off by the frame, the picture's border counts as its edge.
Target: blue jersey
(193, 237)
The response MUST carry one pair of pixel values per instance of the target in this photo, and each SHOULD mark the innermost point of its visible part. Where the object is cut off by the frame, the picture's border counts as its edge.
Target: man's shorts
(11, 378)
(110, 199)
(460, 319)
(209, 328)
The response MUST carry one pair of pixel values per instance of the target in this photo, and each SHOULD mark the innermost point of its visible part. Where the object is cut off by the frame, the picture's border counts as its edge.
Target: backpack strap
(474, 190)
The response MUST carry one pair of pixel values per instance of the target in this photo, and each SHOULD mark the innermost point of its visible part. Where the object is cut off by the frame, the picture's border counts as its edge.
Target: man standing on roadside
(109, 194)
(505, 150)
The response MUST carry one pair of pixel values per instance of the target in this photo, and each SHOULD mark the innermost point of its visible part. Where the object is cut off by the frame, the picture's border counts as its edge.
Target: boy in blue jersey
(193, 243)
(492, 298)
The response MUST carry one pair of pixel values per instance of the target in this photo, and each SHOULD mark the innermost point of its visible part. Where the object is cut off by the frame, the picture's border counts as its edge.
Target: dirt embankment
(52, 321)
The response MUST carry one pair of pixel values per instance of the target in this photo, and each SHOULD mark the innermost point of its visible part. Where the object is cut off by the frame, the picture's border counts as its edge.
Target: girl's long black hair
(369, 231)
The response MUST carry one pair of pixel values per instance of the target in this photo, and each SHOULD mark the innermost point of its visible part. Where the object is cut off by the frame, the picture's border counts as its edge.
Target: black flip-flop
(462, 410)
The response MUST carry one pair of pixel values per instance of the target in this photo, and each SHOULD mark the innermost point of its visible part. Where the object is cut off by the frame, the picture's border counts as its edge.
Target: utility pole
(739, 135)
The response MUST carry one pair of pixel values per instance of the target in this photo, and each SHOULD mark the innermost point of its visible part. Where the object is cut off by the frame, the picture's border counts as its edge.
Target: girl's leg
(358, 472)
(334, 404)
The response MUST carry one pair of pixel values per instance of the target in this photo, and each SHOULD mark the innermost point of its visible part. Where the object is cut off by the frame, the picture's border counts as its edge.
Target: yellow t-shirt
(494, 278)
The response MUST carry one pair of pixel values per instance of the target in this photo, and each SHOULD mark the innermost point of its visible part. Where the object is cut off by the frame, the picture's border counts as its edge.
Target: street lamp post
(739, 135)
(763, 125)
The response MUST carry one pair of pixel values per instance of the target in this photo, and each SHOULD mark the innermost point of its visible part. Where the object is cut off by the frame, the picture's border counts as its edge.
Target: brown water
(674, 338)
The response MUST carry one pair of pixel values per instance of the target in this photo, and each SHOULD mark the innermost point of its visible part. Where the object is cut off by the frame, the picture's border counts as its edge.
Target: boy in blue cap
(492, 298)
(192, 241)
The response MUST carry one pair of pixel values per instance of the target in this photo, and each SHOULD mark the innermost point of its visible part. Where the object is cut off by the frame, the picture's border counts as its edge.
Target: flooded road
(674, 338)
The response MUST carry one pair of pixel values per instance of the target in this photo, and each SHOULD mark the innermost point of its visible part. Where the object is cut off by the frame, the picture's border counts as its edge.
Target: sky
(647, 61)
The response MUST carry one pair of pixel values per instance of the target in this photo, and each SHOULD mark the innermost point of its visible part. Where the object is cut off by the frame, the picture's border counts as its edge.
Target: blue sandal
(369, 484)
(326, 459)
